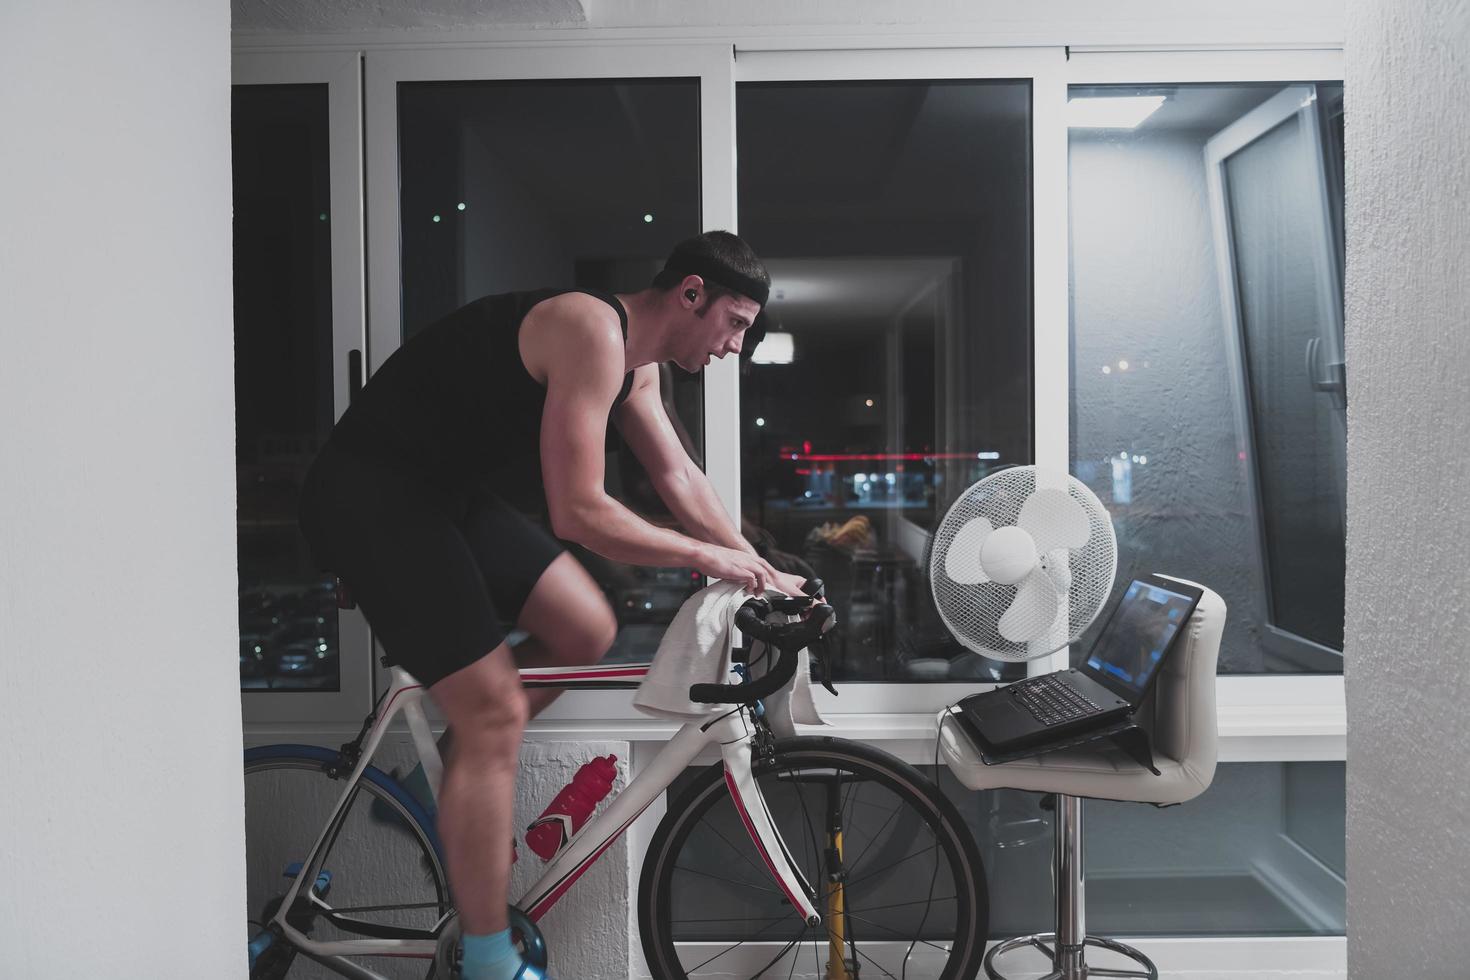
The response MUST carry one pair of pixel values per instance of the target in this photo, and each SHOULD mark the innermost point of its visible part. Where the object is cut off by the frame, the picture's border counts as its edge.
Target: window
(895, 220)
(1208, 398)
(511, 185)
(283, 380)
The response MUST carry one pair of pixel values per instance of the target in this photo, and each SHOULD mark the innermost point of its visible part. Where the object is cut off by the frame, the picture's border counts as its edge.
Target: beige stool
(1179, 715)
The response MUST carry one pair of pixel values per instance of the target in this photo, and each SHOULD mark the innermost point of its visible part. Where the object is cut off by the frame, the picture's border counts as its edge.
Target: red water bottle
(572, 806)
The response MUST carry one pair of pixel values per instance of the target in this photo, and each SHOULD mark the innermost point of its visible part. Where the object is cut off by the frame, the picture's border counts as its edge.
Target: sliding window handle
(1334, 382)
(354, 374)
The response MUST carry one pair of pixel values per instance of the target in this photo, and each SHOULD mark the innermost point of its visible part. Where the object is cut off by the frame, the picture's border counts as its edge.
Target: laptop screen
(1138, 635)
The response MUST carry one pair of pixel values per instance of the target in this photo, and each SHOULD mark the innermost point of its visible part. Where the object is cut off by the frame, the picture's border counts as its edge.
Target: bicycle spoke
(743, 855)
(907, 857)
(729, 881)
(870, 959)
(810, 837)
(899, 935)
(784, 950)
(759, 932)
(847, 803)
(899, 905)
(933, 877)
(873, 839)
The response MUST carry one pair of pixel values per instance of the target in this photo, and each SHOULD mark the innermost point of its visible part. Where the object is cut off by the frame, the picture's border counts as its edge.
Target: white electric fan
(1022, 563)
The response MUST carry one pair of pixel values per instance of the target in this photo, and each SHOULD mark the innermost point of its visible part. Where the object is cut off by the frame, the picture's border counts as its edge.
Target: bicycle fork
(738, 755)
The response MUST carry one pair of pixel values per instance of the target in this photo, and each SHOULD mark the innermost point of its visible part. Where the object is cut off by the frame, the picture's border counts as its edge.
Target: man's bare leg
(487, 709)
(569, 621)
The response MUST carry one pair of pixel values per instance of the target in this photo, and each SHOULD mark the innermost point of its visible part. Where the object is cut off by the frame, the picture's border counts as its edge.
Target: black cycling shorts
(439, 573)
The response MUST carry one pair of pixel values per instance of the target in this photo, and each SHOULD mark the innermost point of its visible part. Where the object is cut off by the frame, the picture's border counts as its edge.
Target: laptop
(1110, 685)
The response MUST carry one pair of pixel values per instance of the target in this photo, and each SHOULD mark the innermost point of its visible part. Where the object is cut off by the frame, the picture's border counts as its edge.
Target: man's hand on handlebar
(735, 566)
(783, 582)
(751, 571)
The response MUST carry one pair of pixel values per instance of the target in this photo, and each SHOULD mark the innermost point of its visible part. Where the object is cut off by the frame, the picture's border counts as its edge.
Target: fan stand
(1067, 947)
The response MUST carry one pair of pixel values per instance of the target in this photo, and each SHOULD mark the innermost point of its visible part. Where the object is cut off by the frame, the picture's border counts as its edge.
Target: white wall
(121, 836)
(1408, 602)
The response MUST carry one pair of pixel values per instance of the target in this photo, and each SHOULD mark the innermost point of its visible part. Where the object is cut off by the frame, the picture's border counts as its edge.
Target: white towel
(696, 649)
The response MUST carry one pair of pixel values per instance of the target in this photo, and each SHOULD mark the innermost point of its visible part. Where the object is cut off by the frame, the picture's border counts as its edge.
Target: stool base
(1071, 964)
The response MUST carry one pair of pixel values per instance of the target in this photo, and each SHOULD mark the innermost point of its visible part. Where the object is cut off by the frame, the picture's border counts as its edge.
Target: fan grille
(972, 612)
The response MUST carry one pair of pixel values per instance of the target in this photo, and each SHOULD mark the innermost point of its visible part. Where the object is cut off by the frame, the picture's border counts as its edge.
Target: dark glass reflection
(283, 379)
(895, 218)
(509, 186)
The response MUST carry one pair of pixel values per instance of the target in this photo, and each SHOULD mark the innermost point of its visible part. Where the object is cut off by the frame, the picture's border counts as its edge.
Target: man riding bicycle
(507, 398)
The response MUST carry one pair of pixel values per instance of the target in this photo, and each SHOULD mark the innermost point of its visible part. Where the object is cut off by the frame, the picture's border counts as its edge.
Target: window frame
(1262, 717)
(1289, 104)
(341, 72)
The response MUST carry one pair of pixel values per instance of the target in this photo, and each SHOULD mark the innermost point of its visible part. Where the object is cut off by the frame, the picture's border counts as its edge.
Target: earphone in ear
(691, 295)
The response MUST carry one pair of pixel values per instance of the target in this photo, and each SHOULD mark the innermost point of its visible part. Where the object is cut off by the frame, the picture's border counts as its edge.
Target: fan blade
(962, 560)
(1032, 611)
(1055, 520)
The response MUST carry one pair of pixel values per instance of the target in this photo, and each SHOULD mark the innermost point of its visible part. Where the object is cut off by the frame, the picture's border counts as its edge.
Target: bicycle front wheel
(895, 872)
(380, 873)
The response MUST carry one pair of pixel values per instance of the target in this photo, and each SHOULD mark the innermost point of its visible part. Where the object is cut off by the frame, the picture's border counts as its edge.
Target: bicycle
(805, 809)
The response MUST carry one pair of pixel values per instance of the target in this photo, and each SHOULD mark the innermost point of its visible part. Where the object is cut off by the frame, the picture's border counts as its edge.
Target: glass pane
(510, 186)
(283, 379)
(1260, 853)
(1155, 407)
(895, 219)
(1276, 221)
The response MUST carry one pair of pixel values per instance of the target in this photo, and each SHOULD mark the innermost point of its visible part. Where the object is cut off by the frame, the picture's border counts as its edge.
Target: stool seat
(1102, 774)
(1179, 715)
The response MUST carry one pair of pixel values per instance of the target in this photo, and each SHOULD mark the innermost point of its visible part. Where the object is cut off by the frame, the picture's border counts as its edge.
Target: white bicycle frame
(730, 728)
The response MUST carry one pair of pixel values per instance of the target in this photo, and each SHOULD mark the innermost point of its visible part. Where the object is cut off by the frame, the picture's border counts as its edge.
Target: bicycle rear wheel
(381, 869)
(897, 876)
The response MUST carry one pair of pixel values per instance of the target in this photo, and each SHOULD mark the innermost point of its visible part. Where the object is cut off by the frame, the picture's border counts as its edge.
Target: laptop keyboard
(1052, 702)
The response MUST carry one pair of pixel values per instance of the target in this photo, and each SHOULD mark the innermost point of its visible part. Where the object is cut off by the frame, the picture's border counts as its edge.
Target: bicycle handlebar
(786, 639)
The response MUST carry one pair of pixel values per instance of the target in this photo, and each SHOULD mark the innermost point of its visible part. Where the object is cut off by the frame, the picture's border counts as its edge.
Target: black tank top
(456, 404)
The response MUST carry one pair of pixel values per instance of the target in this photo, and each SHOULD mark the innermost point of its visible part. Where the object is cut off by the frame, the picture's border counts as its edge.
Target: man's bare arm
(681, 485)
(583, 371)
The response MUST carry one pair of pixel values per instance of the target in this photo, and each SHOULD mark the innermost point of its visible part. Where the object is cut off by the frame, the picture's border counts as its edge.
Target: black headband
(712, 270)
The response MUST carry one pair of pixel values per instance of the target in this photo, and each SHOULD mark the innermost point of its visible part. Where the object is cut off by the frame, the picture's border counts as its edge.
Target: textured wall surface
(1408, 602)
(588, 930)
(121, 839)
(1146, 289)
